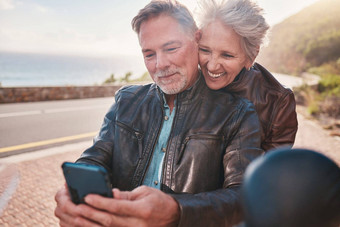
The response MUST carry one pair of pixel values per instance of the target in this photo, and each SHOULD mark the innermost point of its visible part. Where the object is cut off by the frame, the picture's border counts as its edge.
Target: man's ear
(198, 35)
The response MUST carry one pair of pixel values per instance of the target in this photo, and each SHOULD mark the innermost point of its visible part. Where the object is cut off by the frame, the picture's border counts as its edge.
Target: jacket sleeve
(222, 207)
(100, 153)
(284, 124)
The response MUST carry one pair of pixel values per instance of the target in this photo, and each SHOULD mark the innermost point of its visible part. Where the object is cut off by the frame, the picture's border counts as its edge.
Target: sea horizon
(36, 69)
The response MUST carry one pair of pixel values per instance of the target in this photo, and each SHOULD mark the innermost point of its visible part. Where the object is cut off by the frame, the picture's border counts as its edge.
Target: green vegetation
(309, 41)
(127, 78)
(144, 78)
(110, 80)
(329, 85)
(306, 39)
(324, 98)
(325, 48)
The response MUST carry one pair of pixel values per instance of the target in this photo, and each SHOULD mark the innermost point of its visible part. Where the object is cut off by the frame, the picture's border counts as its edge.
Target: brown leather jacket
(274, 104)
(214, 136)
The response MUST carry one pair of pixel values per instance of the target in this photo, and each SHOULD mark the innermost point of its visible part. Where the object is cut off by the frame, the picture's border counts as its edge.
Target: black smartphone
(83, 179)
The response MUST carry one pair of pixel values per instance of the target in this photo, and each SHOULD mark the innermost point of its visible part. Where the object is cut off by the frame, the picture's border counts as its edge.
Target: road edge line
(47, 142)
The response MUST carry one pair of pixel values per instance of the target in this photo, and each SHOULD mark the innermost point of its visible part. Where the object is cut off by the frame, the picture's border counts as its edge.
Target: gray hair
(244, 16)
(166, 7)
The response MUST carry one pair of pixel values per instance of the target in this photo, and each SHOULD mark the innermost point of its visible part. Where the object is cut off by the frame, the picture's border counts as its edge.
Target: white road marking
(7, 194)
(49, 111)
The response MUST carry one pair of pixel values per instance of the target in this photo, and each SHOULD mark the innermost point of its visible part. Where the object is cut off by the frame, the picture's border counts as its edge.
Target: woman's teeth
(215, 75)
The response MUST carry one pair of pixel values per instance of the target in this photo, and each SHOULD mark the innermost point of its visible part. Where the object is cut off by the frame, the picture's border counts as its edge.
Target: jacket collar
(191, 92)
(239, 80)
(244, 78)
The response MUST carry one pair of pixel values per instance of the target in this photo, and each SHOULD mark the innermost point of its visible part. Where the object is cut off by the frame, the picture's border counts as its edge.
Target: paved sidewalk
(29, 182)
(36, 178)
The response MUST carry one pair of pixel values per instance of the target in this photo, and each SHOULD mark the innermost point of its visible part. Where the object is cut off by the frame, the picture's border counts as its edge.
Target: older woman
(231, 35)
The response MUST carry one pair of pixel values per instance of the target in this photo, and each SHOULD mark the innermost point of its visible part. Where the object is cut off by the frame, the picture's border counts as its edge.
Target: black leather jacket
(213, 138)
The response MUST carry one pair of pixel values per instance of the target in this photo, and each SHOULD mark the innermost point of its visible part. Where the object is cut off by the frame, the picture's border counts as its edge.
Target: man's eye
(204, 50)
(148, 55)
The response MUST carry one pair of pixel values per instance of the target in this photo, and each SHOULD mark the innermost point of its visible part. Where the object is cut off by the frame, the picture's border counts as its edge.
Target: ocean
(22, 69)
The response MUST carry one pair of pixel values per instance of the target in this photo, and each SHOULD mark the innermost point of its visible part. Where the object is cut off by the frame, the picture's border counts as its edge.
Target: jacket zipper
(170, 136)
(138, 135)
(154, 143)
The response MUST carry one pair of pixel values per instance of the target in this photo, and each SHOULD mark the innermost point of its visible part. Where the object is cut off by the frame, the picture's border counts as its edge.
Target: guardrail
(34, 94)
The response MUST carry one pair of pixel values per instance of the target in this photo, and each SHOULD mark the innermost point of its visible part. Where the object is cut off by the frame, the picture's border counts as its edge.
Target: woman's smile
(218, 75)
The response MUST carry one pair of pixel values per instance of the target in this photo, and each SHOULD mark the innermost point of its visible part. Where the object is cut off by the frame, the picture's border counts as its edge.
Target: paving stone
(33, 202)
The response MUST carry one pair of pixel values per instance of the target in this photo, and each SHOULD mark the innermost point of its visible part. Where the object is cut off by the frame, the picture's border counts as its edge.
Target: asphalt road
(289, 81)
(33, 126)
(29, 126)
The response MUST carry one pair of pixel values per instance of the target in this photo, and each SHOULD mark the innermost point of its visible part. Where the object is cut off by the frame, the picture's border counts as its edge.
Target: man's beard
(173, 85)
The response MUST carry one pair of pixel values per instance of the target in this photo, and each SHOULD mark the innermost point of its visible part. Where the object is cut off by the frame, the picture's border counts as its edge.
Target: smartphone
(83, 179)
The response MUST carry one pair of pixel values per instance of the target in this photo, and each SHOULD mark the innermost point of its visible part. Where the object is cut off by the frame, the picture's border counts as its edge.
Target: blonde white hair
(244, 16)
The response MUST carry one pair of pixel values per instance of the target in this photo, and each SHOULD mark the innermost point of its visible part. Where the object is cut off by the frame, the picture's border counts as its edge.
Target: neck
(170, 100)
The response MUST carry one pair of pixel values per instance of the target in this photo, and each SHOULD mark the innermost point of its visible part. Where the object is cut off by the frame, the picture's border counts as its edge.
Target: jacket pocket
(127, 154)
(199, 165)
(202, 138)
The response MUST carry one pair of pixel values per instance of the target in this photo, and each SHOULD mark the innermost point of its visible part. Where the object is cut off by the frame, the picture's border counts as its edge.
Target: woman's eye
(227, 56)
(171, 49)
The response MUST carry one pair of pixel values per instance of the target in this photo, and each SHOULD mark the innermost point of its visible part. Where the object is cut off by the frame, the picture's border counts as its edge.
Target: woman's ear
(198, 35)
(251, 62)
(257, 52)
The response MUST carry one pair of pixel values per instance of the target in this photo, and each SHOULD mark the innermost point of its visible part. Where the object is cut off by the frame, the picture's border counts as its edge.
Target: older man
(176, 150)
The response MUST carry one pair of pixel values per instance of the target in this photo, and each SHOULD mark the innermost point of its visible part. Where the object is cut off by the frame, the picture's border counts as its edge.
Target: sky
(92, 27)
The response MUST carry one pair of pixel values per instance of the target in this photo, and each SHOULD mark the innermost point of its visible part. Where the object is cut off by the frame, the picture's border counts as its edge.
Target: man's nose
(162, 61)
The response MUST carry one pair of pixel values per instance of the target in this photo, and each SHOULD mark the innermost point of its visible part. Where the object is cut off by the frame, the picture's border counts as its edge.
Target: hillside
(310, 38)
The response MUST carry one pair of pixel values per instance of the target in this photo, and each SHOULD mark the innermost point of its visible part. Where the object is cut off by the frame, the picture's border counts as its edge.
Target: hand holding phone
(83, 179)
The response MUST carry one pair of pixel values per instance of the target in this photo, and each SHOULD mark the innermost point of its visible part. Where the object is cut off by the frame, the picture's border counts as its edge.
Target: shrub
(330, 106)
(329, 85)
(110, 80)
(325, 98)
(309, 97)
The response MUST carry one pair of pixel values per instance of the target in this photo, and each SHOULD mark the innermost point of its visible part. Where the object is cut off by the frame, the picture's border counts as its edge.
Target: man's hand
(69, 214)
(143, 206)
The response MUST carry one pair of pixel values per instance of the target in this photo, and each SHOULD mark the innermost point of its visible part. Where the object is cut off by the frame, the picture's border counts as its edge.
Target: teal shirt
(154, 172)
